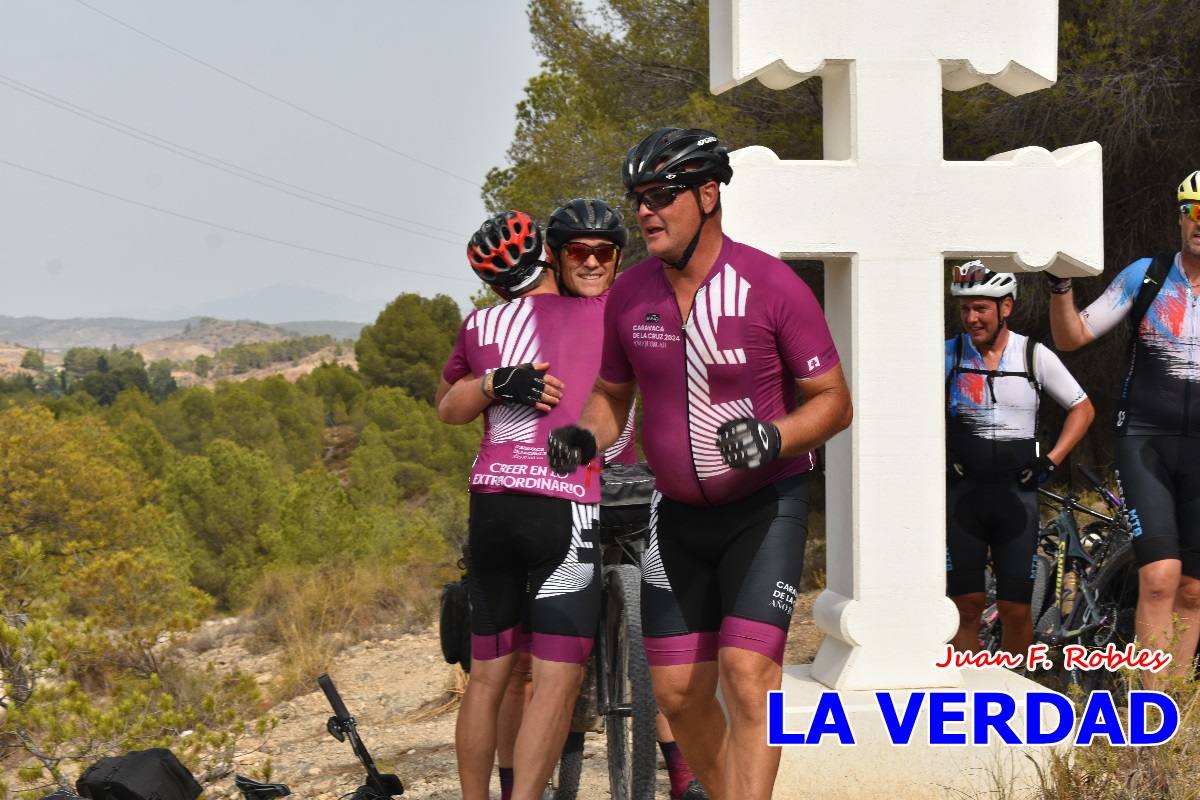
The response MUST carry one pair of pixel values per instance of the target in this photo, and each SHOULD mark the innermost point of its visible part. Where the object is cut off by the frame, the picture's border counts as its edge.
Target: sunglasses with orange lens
(579, 252)
(1191, 211)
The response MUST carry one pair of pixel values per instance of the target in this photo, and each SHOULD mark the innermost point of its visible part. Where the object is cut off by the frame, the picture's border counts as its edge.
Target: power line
(228, 228)
(217, 163)
(278, 99)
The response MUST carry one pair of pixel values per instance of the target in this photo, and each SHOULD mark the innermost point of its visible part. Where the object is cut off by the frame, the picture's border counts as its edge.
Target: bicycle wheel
(1117, 597)
(629, 723)
(570, 767)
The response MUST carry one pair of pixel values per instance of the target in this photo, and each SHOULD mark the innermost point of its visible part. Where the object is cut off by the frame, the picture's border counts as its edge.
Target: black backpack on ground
(154, 774)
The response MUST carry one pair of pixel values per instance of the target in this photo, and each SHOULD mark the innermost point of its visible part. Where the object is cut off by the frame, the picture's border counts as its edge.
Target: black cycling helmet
(585, 217)
(686, 156)
(506, 251)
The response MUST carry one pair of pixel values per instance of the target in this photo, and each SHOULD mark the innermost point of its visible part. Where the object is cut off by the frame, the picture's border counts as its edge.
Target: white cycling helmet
(973, 279)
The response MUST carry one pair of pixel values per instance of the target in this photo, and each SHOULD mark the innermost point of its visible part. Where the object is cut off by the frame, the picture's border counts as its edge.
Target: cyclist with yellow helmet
(1158, 421)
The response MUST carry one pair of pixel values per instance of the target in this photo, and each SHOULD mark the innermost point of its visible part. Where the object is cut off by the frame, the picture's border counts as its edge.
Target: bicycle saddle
(253, 790)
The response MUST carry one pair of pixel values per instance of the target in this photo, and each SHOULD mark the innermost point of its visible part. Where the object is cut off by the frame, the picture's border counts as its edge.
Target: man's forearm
(811, 425)
(1078, 420)
(463, 402)
(1067, 327)
(605, 412)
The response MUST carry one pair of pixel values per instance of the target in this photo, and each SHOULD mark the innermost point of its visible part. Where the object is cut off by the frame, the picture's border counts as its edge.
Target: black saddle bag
(154, 774)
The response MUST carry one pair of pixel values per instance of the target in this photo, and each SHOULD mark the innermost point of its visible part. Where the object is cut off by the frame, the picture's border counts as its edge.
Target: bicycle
(1074, 599)
(341, 726)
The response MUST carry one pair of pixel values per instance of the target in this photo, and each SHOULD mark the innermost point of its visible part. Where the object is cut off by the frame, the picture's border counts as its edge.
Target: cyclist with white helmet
(994, 379)
(720, 339)
(1158, 422)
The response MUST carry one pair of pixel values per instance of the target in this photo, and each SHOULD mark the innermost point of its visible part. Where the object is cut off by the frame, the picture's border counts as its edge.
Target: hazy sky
(437, 81)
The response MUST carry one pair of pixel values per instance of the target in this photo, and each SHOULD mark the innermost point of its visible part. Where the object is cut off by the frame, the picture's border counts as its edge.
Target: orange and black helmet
(506, 252)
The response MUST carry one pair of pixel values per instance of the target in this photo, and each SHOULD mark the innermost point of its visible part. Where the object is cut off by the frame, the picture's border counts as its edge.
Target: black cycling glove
(520, 384)
(1057, 285)
(1036, 472)
(568, 447)
(747, 442)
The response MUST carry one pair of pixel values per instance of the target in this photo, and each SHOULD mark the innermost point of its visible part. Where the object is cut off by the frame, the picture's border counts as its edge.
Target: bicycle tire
(1117, 590)
(570, 767)
(1043, 578)
(632, 753)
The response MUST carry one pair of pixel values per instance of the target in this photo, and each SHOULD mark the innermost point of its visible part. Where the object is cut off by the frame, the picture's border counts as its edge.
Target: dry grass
(448, 701)
(1168, 772)
(313, 614)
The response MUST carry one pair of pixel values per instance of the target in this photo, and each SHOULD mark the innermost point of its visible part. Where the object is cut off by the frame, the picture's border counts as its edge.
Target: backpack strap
(1152, 283)
(1156, 276)
(1030, 346)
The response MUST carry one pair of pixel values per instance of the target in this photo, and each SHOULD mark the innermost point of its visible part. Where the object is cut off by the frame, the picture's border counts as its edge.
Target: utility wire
(278, 99)
(238, 231)
(216, 163)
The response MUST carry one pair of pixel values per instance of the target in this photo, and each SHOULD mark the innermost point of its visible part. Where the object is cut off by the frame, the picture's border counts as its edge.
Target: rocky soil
(394, 687)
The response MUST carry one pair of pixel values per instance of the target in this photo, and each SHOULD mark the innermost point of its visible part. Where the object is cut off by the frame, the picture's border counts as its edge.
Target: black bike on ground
(341, 726)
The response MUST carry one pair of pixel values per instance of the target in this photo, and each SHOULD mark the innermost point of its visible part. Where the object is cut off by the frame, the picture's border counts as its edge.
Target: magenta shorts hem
(495, 645)
(688, 648)
(759, 637)
(566, 649)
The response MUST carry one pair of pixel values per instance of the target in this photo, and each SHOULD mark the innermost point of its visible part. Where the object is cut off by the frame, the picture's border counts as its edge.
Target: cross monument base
(874, 767)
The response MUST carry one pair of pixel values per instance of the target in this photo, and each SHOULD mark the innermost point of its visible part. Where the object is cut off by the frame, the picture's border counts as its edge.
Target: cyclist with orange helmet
(533, 554)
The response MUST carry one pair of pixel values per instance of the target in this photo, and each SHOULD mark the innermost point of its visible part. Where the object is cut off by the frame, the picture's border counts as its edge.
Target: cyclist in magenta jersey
(994, 381)
(532, 546)
(584, 240)
(1158, 423)
(729, 445)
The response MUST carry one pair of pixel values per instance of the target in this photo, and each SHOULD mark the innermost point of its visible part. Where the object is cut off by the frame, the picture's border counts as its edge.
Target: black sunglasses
(656, 198)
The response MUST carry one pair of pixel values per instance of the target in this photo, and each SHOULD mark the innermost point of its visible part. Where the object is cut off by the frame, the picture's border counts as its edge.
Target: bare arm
(1078, 420)
(1067, 327)
(469, 396)
(827, 409)
(606, 410)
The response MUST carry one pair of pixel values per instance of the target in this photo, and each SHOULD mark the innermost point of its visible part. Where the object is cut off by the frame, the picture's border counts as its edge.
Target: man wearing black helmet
(719, 338)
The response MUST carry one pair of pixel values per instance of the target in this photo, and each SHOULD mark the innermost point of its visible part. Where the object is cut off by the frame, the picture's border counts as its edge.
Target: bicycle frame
(1072, 557)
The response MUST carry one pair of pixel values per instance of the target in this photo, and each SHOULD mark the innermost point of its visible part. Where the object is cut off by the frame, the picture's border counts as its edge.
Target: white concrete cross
(883, 210)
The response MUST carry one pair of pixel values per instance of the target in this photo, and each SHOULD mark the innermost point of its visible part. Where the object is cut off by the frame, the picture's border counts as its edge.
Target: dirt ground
(394, 686)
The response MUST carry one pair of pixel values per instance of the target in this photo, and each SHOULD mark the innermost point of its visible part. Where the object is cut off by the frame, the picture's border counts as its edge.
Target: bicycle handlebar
(1114, 501)
(342, 726)
(335, 699)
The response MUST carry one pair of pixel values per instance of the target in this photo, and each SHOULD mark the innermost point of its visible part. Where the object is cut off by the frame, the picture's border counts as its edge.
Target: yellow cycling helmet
(1190, 188)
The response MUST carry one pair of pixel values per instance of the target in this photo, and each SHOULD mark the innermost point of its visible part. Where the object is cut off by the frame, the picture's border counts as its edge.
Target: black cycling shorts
(534, 560)
(723, 576)
(996, 519)
(1160, 477)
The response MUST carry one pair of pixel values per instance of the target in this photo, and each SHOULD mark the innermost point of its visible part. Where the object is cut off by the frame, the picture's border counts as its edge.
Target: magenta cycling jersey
(754, 329)
(564, 331)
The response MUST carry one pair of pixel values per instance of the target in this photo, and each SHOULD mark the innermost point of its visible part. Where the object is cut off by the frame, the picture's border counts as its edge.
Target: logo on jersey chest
(652, 334)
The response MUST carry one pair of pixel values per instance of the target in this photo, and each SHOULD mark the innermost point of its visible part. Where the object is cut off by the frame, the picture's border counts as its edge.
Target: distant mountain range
(273, 304)
(62, 334)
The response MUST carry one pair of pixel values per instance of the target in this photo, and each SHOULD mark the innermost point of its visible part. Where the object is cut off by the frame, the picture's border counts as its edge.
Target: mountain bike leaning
(1085, 579)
